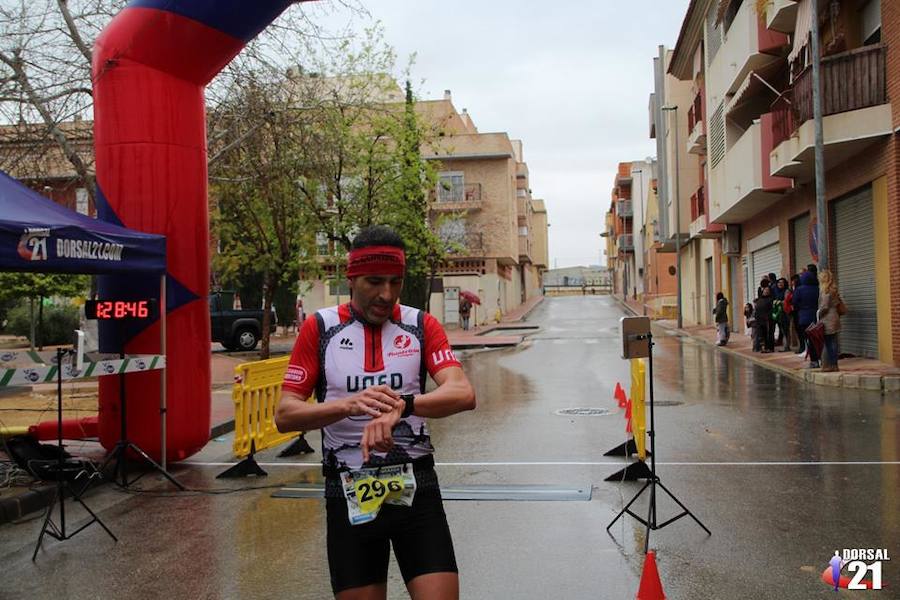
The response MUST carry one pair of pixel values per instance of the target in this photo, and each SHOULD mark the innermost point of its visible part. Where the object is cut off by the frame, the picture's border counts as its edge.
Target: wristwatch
(410, 401)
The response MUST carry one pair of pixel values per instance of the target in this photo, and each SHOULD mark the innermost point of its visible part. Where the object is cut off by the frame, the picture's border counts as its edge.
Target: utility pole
(821, 207)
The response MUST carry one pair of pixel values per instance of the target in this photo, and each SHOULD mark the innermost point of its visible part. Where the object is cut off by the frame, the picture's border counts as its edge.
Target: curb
(15, 508)
(884, 384)
(525, 314)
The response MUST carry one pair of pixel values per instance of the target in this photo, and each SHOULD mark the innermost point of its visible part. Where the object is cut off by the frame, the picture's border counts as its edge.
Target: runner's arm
(296, 413)
(454, 394)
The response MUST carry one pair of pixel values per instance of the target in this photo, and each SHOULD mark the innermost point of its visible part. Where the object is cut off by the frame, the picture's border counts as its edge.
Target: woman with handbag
(831, 307)
(805, 302)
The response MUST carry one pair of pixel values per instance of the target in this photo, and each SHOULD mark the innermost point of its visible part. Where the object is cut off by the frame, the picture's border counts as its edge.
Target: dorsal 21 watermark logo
(859, 562)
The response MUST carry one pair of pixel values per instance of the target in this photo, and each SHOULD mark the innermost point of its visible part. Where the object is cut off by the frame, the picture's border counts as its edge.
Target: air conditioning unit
(731, 240)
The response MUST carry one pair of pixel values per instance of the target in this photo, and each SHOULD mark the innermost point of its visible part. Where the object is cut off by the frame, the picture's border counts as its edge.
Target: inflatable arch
(150, 67)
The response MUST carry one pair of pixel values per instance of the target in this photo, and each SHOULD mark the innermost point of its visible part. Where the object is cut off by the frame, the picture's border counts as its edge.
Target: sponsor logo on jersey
(356, 383)
(346, 344)
(295, 374)
(442, 356)
(402, 342)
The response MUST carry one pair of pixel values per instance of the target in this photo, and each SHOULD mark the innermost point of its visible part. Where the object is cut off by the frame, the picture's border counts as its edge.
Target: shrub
(59, 323)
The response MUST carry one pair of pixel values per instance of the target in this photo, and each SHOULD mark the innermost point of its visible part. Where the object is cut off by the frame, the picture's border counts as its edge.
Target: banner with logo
(38, 235)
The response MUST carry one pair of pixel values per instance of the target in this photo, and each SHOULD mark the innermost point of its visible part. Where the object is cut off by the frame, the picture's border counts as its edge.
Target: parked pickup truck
(235, 329)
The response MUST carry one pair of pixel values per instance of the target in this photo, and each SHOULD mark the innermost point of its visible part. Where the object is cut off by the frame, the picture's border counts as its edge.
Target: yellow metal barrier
(256, 393)
(638, 406)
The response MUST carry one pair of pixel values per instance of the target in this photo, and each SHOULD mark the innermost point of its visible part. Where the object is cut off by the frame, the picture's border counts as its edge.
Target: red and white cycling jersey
(338, 354)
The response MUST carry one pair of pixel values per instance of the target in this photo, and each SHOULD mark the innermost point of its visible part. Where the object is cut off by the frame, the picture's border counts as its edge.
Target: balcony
(524, 248)
(696, 143)
(855, 108)
(748, 46)
(626, 242)
(624, 209)
(781, 15)
(745, 181)
(457, 197)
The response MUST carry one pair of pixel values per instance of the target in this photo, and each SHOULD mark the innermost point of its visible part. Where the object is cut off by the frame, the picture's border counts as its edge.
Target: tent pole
(162, 350)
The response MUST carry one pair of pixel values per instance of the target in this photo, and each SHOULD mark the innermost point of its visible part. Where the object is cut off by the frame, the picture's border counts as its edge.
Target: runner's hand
(377, 434)
(373, 401)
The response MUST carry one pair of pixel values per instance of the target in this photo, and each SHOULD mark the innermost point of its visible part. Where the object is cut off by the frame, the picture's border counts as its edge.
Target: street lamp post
(677, 219)
(821, 228)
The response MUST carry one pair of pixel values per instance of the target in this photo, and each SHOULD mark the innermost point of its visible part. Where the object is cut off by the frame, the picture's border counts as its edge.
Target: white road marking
(586, 464)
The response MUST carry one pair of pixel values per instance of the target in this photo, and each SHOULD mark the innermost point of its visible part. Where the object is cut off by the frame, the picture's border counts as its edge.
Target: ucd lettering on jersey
(338, 355)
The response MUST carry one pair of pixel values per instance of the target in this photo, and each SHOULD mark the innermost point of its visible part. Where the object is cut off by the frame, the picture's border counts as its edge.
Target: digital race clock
(114, 310)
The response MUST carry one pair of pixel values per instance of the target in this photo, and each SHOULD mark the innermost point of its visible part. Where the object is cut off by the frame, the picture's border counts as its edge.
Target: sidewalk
(855, 373)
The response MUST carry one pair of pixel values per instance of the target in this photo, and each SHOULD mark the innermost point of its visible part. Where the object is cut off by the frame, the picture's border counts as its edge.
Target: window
(322, 244)
(523, 230)
(81, 201)
(451, 187)
(521, 193)
(870, 21)
(453, 231)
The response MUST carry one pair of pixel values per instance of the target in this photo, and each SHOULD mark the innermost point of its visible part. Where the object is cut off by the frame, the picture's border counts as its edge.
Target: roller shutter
(854, 249)
(800, 256)
(764, 261)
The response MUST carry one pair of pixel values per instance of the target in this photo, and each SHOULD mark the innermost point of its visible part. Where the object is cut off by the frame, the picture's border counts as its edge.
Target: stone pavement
(855, 373)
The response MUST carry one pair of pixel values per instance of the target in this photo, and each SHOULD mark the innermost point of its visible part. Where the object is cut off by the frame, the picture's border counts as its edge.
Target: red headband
(376, 260)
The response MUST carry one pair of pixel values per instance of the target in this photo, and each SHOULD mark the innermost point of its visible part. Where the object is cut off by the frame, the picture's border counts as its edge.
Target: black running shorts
(358, 555)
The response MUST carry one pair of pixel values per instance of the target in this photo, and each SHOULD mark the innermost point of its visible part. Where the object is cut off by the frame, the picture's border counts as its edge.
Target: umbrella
(470, 296)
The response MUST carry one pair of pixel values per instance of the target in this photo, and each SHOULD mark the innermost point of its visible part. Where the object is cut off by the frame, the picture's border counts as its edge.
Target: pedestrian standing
(831, 307)
(806, 303)
(791, 311)
(721, 315)
(465, 308)
(783, 319)
(751, 324)
(762, 312)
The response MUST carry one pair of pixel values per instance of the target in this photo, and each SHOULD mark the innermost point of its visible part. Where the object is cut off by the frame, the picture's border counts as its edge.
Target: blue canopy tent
(38, 235)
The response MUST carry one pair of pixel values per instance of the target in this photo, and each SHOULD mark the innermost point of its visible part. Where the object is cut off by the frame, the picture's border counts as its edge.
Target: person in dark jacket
(721, 314)
(806, 304)
(763, 283)
(779, 295)
(762, 312)
(792, 311)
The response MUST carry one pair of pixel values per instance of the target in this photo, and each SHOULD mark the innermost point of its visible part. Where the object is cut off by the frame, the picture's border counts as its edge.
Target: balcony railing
(625, 209)
(783, 120)
(850, 81)
(695, 112)
(698, 204)
(456, 197)
(626, 242)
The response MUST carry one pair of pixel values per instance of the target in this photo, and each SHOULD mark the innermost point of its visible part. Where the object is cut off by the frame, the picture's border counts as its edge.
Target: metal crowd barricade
(256, 393)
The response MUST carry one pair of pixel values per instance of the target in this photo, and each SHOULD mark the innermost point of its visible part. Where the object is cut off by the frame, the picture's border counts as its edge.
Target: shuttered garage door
(765, 260)
(854, 248)
(800, 234)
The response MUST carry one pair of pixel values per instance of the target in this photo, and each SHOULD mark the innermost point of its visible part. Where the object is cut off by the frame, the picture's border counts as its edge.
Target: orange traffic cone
(651, 586)
(620, 395)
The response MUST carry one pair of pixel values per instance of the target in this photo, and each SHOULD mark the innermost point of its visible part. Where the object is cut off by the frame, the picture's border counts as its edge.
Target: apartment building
(639, 269)
(747, 125)
(29, 153)
(483, 207)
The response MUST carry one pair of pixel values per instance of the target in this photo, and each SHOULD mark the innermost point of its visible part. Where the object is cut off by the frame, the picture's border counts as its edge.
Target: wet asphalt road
(782, 473)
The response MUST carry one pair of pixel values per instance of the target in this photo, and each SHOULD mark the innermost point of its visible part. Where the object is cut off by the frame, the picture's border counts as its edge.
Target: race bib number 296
(366, 490)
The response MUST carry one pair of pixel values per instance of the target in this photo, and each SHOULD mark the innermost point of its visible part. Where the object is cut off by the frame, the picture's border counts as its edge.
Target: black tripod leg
(651, 515)
(630, 502)
(46, 524)
(156, 466)
(685, 508)
(96, 518)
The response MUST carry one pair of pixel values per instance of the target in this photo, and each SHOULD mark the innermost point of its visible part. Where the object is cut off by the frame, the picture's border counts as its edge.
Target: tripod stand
(62, 472)
(119, 453)
(651, 521)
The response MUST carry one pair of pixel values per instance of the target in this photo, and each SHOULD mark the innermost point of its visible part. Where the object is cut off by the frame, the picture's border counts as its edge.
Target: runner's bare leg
(434, 586)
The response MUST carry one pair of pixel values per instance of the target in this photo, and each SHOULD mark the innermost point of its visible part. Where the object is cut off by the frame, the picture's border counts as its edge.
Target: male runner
(366, 362)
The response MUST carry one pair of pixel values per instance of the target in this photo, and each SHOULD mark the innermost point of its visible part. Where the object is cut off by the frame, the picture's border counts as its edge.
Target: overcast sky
(570, 78)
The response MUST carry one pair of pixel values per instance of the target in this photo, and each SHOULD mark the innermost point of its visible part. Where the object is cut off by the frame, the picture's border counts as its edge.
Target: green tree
(36, 287)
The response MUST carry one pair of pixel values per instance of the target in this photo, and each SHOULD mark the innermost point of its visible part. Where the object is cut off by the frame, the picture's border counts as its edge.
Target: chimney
(447, 95)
